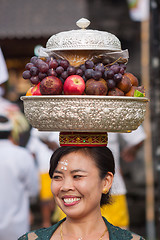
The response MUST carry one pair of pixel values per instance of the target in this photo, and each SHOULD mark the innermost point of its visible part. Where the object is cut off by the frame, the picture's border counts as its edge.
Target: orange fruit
(29, 92)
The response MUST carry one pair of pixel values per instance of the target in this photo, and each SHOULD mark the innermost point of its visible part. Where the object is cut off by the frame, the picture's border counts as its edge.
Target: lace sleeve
(29, 236)
(24, 237)
(137, 237)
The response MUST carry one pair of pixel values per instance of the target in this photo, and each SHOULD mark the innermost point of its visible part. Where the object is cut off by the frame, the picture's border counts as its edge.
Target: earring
(105, 191)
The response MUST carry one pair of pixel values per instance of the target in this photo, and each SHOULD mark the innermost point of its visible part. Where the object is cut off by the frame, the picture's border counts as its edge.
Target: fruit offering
(51, 76)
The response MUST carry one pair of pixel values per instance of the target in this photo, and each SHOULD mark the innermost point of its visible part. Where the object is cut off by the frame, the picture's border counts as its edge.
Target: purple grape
(115, 68)
(100, 67)
(53, 64)
(34, 60)
(71, 70)
(64, 75)
(48, 59)
(34, 80)
(122, 71)
(82, 66)
(96, 75)
(42, 75)
(111, 83)
(106, 61)
(43, 67)
(34, 71)
(105, 74)
(26, 74)
(89, 64)
(88, 73)
(64, 63)
(123, 66)
(28, 66)
(84, 78)
(109, 74)
(79, 72)
(51, 72)
(117, 77)
(59, 70)
(59, 61)
(39, 62)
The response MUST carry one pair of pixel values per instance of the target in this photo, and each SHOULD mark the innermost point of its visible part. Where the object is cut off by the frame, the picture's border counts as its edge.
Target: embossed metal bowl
(85, 113)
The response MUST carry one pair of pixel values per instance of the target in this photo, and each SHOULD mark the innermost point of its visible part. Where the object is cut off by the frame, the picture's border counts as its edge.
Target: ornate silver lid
(83, 39)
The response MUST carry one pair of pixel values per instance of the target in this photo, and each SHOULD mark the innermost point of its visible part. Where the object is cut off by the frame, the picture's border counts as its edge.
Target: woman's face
(77, 186)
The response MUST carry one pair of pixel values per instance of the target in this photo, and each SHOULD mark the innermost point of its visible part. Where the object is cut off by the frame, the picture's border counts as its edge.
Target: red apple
(94, 87)
(74, 85)
(51, 85)
(34, 90)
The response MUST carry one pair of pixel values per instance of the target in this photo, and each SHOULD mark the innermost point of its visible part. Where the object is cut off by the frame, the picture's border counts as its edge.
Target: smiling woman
(81, 181)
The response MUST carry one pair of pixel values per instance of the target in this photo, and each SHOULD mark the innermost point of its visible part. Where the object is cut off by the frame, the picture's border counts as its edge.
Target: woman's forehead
(76, 159)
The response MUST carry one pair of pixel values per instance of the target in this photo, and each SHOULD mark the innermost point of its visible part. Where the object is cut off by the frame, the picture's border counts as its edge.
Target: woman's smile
(70, 201)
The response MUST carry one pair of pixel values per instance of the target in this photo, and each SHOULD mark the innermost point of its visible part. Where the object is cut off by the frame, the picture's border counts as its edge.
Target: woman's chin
(73, 214)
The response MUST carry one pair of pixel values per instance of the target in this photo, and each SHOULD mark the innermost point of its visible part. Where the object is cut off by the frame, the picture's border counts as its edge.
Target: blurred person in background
(18, 182)
(11, 109)
(42, 145)
(3, 71)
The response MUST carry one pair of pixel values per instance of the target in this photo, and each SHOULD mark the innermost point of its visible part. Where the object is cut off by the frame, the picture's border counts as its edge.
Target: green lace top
(115, 233)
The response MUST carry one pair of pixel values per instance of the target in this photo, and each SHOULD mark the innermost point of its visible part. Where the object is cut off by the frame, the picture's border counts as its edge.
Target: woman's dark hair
(102, 156)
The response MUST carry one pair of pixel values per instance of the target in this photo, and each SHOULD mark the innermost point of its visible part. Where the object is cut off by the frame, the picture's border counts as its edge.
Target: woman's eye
(56, 177)
(77, 176)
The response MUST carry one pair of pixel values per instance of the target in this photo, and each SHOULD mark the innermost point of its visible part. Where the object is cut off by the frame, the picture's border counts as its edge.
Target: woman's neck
(83, 227)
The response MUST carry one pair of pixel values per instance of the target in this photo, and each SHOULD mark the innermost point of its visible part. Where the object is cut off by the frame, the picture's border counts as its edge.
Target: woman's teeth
(71, 200)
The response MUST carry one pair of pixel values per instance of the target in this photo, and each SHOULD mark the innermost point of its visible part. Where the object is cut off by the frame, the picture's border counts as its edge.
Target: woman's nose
(67, 184)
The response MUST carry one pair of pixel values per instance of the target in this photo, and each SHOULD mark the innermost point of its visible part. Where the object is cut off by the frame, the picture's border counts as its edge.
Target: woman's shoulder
(121, 234)
(118, 233)
(42, 233)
